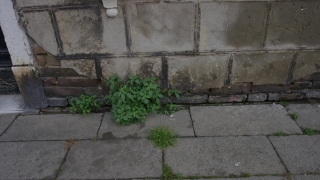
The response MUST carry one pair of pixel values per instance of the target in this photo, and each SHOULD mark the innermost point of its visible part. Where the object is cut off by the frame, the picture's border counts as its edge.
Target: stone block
(257, 97)
(93, 90)
(153, 30)
(90, 31)
(267, 88)
(5, 121)
(316, 84)
(57, 72)
(217, 156)
(293, 25)
(301, 85)
(146, 67)
(77, 82)
(112, 159)
(230, 98)
(31, 160)
(307, 64)
(261, 68)
(49, 81)
(57, 102)
(31, 3)
(84, 67)
(63, 91)
(308, 115)
(190, 99)
(200, 72)
(38, 25)
(313, 94)
(52, 60)
(285, 96)
(300, 153)
(240, 88)
(242, 120)
(53, 127)
(232, 25)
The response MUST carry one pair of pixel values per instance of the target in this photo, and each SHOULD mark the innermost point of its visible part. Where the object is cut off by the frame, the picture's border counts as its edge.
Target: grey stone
(179, 122)
(301, 85)
(146, 67)
(200, 72)
(152, 30)
(190, 99)
(316, 84)
(89, 30)
(285, 96)
(229, 98)
(29, 3)
(252, 178)
(232, 25)
(84, 67)
(217, 156)
(307, 64)
(264, 68)
(112, 159)
(57, 102)
(242, 120)
(305, 177)
(39, 26)
(53, 127)
(30, 160)
(313, 94)
(300, 153)
(308, 115)
(257, 97)
(293, 25)
(5, 121)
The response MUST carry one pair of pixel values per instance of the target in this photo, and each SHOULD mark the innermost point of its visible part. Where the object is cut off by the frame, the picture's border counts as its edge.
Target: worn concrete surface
(30, 160)
(252, 178)
(305, 177)
(300, 153)
(112, 159)
(201, 72)
(242, 120)
(218, 156)
(179, 121)
(5, 121)
(53, 127)
(84, 67)
(308, 115)
(307, 64)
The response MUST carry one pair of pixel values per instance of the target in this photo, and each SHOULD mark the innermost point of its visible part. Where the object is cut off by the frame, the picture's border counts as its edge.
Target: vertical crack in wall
(56, 31)
(293, 65)
(229, 71)
(197, 28)
(266, 25)
(127, 29)
(164, 73)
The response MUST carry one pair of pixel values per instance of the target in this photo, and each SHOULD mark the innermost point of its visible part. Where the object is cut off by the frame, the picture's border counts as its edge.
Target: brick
(241, 88)
(52, 60)
(199, 91)
(77, 82)
(313, 94)
(261, 68)
(57, 72)
(307, 66)
(190, 99)
(152, 30)
(237, 25)
(41, 59)
(270, 88)
(38, 50)
(200, 72)
(293, 25)
(49, 81)
(285, 96)
(84, 67)
(63, 91)
(57, 102)
(301, 85)
(230, 98)
(316, 84)
(257, 97)
(93, 90)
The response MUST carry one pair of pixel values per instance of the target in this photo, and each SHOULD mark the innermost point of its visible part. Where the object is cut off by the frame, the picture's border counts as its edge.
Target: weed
(174, 92)
(168, 173)
(169, 109)
(283, 103)
(163, 137)
(233, 176)
(310, 132)
(70, 142)
(85, 104)
(294, 116)
(280, 134)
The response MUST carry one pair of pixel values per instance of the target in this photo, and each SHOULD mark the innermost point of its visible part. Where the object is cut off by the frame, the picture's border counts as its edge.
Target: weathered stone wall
(216, 51)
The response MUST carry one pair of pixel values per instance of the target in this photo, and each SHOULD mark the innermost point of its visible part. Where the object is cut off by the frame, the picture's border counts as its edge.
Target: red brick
(77, 82)
(38, 50)
(270, 88)
(41, 59)
(241, 88)
(301, 85)
(52, 60)
(49, 81)
(285, 96)
(230, 98)
(63, 91)
(57, 72)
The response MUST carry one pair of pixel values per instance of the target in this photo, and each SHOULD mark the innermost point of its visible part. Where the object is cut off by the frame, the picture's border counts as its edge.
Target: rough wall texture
(260, 50)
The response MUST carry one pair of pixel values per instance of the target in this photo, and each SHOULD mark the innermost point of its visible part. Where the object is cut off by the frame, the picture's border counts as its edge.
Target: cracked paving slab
(242, 120)
(53, 127)
(222, 156)
(308, 115)
(117, 158)
(5, 121)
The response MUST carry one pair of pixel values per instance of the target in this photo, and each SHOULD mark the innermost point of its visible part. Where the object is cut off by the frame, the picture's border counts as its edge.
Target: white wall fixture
(111, 6)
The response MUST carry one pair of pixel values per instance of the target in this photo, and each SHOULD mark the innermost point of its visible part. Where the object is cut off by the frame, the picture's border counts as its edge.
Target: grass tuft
(283, 103)
(310, 132)
(163, 137)
(168, 173)
(294, 116)
(280, 134)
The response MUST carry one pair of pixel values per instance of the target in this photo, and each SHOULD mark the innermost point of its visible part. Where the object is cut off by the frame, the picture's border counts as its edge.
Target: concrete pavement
(214, 142)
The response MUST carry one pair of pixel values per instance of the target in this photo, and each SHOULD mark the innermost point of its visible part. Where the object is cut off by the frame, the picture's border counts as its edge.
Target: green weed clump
(85, 104)
(163, 137)
(280, 134)
(168, 173)
(310, 132)
(294, 116)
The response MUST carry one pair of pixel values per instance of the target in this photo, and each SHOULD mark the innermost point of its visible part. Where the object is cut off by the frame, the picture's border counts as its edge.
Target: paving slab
(308, 115)
(179, 121)
(5, 121)
(30, 160)
(242, 120)
(222, 156)
(306, 177)
(53, 127)
(252, 178)
(300, 153)
(117, 158)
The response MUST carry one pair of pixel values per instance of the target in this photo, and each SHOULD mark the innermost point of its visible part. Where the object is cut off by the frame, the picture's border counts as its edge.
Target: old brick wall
(213, 51)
